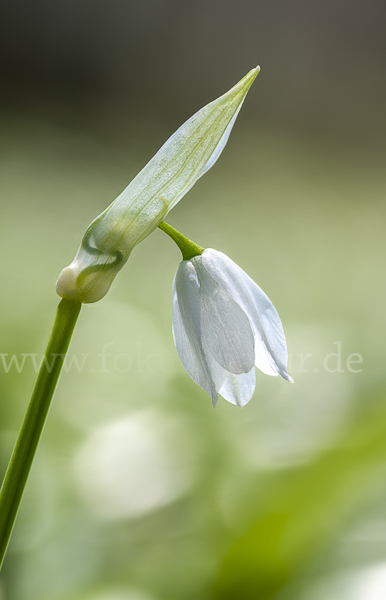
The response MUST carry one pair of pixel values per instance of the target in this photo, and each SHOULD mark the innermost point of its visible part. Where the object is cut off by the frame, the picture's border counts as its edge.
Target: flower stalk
(21, 461)
(188, 248)
(106, 246)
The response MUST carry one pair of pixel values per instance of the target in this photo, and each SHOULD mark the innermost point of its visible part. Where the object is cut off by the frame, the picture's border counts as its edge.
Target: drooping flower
(189, 153)
(223, 326)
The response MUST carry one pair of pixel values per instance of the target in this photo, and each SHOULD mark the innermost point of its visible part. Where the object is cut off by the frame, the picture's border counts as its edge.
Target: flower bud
(139, 209)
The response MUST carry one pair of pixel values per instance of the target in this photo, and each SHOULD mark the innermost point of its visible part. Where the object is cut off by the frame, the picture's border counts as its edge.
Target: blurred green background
(140, 490)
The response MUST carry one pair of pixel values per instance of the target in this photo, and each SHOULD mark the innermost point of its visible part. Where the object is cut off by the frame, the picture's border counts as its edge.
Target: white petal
(238, 389)
(226, 332)
(270, 344)
(186, 329)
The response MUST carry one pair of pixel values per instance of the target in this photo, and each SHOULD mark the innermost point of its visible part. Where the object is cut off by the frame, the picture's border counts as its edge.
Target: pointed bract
(140, 208)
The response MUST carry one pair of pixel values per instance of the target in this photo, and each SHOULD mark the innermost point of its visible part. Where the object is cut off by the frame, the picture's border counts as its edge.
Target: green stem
(188, 248)
(19, 467)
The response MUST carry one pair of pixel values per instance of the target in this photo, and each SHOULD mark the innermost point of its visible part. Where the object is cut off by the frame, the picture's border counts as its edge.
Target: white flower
(223, 326)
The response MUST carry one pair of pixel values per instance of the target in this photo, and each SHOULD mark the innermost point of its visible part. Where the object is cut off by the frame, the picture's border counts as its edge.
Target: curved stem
(19, 467)
(188, 248)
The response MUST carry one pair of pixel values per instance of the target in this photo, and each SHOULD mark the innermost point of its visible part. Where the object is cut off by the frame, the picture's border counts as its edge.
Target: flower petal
(226, 332)
(270, 344)
(238, 389)
(186, 331)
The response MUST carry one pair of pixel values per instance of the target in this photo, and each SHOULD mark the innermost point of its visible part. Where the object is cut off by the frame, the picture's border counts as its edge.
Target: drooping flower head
(224, 325)
(139, 209)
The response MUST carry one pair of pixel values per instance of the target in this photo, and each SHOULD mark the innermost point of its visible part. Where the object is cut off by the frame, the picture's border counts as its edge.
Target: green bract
(140, 208)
